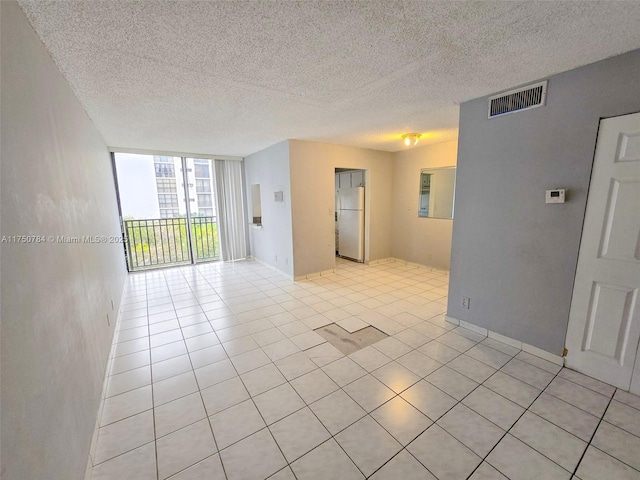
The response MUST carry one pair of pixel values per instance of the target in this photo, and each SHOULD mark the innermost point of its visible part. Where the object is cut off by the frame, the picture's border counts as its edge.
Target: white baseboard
(525, 347)
(265, 264)
(474, 328)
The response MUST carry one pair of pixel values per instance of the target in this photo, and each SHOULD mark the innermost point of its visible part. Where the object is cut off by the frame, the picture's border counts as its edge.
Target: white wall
(272, 243)
(422, 240)
(313, 201)
(56, 180)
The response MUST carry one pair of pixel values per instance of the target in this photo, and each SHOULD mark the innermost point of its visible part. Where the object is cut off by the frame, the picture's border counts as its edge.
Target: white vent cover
(524, 98)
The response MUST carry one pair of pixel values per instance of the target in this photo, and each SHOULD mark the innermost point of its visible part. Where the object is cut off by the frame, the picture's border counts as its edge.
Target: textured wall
(514, 256)
(56, 180)
(272, 243)
(313, 201)
(422, 240)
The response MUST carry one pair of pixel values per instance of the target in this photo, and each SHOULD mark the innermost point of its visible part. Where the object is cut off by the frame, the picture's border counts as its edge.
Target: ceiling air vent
(524, 98)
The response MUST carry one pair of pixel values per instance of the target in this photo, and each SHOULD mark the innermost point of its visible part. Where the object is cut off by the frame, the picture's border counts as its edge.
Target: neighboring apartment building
(170, 187)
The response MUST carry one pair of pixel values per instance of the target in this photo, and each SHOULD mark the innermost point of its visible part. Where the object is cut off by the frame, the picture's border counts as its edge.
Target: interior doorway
(350, 214)
(604, 320)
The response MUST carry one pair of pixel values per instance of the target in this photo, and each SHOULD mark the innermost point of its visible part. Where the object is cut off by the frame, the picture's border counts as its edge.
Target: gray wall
(271, 244)
(421, 240)
(514, 256)
(56, 180)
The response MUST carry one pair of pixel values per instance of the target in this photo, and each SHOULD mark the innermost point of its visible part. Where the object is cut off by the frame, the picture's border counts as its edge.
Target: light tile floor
(216, 373)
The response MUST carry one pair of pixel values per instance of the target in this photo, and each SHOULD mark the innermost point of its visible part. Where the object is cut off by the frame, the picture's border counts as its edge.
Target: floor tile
(251, 360)
(512, 388)
(344, 371)
(257, 456)
(628, 399)
(566, 416)
(471, 368)
(501, 347)
(597, 465)
(412, 337)
(170, 350)
(126, 405)
(179, 413)
(429, 399)
(419, 363)
(487, 472)
(201, 341)
(588, 382)
(443, 455)
(130, 380)
(183, 448)
(174, 387)
(215, 373)
(369, 392)
(224, 395)
(488, 355)
(278, 402)
(392, 347)
(120, 437)
(518, 461)
(295, 365)
(240, 345)
(299, 433)
(236, 423)
(457, 342)
(401, 420)
(470, 428)
(129, 362)
(369, 358)
(139, 464)
(337, 411)
(352, 324)
(550, 440)
(528, 373)
(538, 362)
(618, 443)
(495, 408)
(326, 461)
(452, 382)
(324, 354)
(207, 356)
(307, 340)
(209, 468)
(170, 368)
(262, 379)
(623, 416)
(403, 466)
(313, 386)
(579, 396)
(368, 444)
(439, 351)
(395, 376)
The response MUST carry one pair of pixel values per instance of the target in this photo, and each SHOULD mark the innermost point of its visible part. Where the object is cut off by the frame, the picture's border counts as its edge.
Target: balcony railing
(158, 242)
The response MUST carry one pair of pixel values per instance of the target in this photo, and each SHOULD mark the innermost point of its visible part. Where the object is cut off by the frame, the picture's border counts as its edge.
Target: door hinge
(564, 352)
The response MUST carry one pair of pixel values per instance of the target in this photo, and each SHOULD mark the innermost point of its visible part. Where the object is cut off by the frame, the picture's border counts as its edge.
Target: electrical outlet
(275, 258)
(286, 261)
(465, 302)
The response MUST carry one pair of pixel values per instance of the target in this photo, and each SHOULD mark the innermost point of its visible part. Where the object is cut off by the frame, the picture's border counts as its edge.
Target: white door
(604, 321)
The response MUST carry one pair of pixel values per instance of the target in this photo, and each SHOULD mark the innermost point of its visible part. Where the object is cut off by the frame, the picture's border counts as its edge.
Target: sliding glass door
(167, 209)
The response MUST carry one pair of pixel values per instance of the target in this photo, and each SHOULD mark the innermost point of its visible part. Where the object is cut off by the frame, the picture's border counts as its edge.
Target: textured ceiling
(235, 77)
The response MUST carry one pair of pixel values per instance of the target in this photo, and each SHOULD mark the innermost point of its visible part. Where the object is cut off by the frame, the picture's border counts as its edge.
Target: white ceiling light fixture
(411, 138)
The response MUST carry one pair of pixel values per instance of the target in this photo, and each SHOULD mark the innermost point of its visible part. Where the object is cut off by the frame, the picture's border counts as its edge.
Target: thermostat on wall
(555, 196)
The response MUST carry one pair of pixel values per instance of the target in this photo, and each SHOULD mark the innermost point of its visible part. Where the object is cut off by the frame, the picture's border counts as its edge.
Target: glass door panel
(153, 209)
(204, 222)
